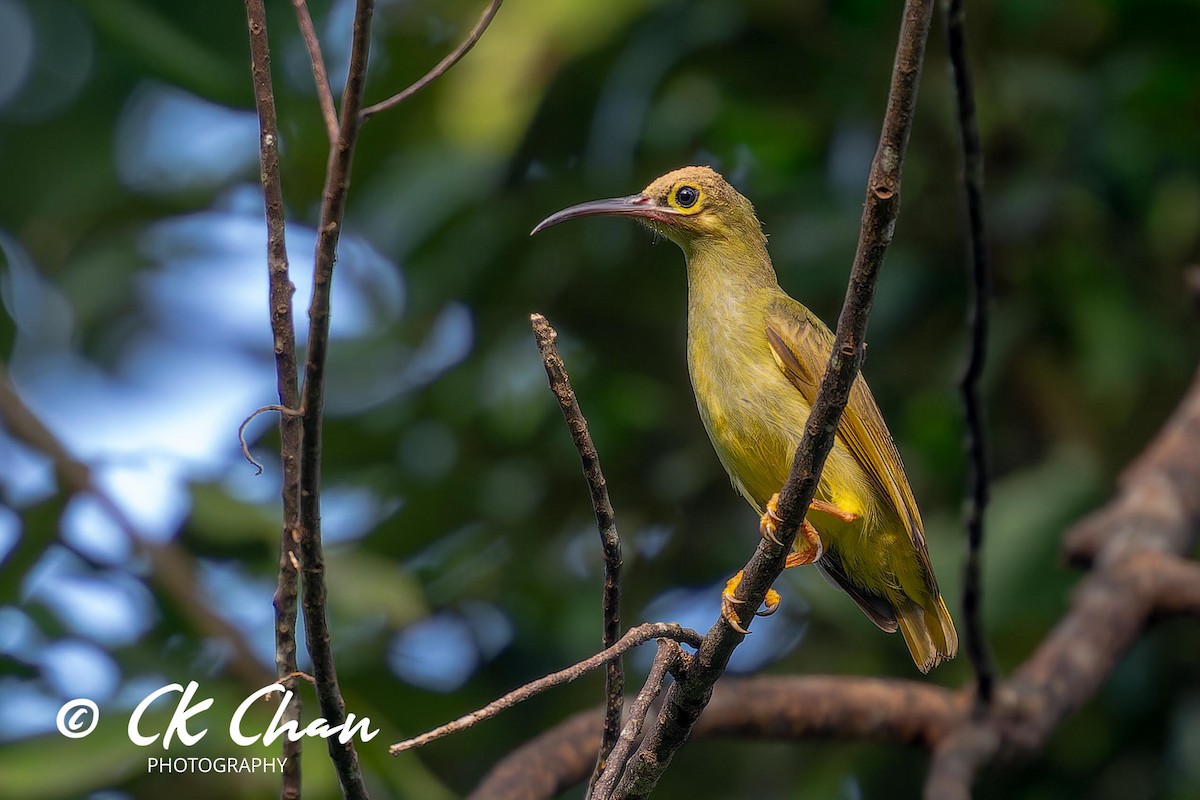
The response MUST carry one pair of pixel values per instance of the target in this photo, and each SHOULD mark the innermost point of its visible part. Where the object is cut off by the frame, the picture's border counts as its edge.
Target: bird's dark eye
(686, 196)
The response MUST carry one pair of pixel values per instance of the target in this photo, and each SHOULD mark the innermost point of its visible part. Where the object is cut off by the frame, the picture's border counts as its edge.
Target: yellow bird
(756, 357)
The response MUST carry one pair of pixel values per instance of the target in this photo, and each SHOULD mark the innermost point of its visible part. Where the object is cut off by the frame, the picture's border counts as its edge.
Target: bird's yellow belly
(755, 419)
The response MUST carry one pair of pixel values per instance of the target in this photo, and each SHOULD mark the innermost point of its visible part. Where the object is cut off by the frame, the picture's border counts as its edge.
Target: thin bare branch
(632, 638)
(666, 661)
(688, 696)
(283, 331)
(610, 541)
(312, 554)
(320, 76)
(442, 67)
(284, 410)
(977, 323)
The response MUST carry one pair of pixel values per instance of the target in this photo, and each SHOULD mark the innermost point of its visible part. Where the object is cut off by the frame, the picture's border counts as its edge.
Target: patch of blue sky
(25, 709)
(169, 140)
(698, 608)
(111, 608)
(243, 600)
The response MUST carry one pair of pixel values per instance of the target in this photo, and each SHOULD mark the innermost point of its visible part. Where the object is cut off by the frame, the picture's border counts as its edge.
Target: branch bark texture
(312, 556)
(667, 660)
(606, 522)
(760, 707)
(283, 332)
(320, 77)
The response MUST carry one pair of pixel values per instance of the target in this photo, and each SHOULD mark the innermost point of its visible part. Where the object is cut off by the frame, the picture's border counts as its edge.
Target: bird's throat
(727, 283)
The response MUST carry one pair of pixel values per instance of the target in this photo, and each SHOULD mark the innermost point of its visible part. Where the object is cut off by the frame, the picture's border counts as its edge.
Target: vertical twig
(687, 697)
(287, 385)
(320, 77)
(302, 436)
(610, 542)
(312, 558)
(977, 321)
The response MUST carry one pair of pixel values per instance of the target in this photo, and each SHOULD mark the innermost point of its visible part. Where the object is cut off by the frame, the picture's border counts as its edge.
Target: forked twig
(320, 76)
(666, 661)
(301, 550)
(312, 554)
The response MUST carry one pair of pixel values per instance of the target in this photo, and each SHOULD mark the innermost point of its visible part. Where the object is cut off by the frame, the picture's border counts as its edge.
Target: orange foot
(770, 520)
(729, 604)
(806, 550)
(833, 511)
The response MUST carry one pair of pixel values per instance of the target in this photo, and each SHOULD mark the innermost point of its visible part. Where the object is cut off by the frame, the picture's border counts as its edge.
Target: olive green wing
(801, 344)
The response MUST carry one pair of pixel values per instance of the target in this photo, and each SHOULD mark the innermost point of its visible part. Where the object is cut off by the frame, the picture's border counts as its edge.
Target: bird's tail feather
(928, 632)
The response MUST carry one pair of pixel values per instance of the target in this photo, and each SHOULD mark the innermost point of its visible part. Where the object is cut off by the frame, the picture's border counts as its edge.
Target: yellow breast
(753, 415)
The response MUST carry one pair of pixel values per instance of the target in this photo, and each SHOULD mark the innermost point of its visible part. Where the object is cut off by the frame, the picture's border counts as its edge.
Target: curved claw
(770, 518)
(770, 604)
(737, 626)
(729, 604)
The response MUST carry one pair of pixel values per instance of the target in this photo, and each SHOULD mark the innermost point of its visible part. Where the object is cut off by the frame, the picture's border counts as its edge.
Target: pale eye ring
(686, 196)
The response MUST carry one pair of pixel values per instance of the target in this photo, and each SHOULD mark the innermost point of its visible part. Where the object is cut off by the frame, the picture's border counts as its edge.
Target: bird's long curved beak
(635, 205)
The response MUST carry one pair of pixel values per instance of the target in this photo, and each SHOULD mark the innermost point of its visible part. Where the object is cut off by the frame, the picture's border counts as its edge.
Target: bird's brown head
(686, 205)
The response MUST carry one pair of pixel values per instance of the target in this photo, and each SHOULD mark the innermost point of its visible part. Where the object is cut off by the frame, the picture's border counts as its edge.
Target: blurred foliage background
(463, 559)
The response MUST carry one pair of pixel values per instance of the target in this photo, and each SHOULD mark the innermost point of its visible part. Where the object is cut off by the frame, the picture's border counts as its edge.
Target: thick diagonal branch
(1135, 545)
(687, 697)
